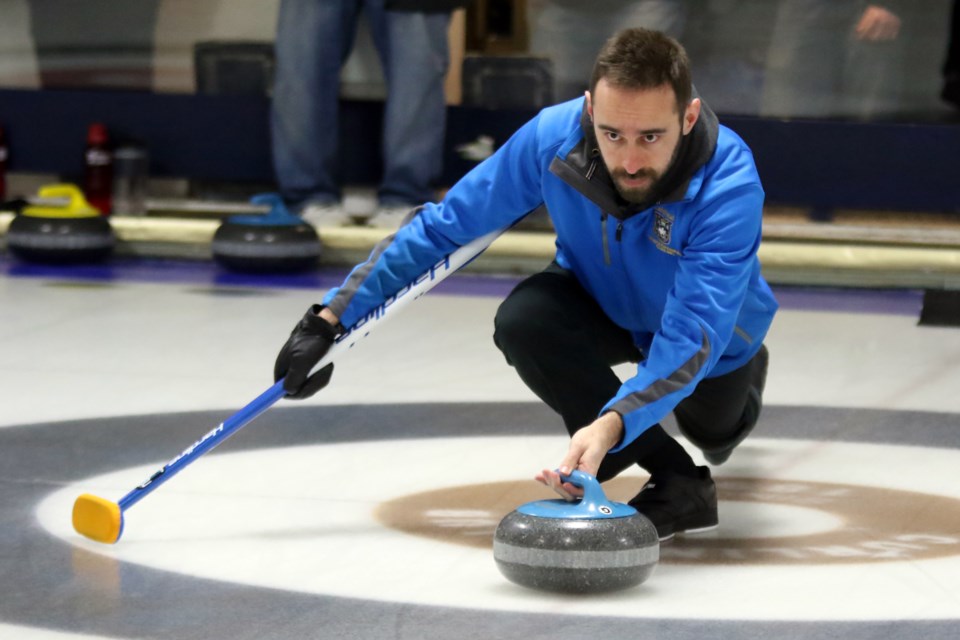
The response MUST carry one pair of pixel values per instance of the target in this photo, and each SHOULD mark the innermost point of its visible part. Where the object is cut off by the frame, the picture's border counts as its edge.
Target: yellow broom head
(97, 519)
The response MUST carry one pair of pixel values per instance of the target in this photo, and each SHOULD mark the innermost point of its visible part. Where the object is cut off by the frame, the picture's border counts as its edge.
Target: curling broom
(102, 520)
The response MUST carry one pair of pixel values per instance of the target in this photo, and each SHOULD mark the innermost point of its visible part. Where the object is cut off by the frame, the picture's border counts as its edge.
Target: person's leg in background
(951, 68)
(668, 16)
(561, 31)
(873, 68)
(414, 51)
(314, 38)
(571, 32)
(804, 64)
(728, 42)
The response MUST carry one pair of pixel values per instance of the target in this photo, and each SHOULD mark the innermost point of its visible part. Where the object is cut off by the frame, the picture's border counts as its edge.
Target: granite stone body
(576, 555)
(262, 248)
(65, 240)
(590, 545)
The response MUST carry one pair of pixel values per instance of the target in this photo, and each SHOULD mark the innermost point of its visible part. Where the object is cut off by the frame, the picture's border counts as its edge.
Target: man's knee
(525, 316)
(709, 416)
(758, 381)
(513, 327)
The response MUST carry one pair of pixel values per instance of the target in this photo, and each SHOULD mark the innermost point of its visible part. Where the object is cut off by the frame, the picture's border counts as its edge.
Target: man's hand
(308, 343)
(588, 446)
(877, 25)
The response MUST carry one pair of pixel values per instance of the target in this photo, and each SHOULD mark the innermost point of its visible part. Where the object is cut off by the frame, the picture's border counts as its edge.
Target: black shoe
(679, 504)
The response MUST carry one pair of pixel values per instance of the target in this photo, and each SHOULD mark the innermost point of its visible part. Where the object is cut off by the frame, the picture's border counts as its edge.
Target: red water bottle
(98, 169)
(3, 166)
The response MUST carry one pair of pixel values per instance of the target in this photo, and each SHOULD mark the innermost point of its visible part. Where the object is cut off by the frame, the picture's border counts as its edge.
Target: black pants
(951, 67)
(564, 346)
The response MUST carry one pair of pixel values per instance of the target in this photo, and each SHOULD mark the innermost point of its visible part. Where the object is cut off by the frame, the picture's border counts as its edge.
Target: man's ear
(691, 115)
(586, 94)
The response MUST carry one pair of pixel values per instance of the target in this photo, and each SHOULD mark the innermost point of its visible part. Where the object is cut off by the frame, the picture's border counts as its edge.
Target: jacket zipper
(618, 236)
(603, 216)
(606, 243)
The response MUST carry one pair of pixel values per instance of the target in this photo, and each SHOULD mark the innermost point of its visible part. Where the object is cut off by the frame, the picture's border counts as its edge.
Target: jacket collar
(583, 168)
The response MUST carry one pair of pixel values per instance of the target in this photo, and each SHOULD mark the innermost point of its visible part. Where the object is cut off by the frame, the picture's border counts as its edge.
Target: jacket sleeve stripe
(356, 278)
(665, 386)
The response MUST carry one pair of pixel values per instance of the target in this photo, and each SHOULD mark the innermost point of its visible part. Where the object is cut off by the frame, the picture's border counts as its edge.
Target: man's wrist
(612, 428)
(329, 316)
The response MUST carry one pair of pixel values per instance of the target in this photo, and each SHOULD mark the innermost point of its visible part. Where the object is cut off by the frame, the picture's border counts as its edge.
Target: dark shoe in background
(951, 90)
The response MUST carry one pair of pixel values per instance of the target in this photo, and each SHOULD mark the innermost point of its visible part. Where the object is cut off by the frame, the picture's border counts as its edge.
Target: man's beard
(636, 195)
(641, 195)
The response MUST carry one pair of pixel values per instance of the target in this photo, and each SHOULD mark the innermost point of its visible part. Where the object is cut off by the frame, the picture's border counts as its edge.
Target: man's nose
(634, 161)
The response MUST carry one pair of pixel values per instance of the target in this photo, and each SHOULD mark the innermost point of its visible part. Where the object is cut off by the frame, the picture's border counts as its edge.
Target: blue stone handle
(278, 209)
(593, 505)
(278, 215)
(594, 501)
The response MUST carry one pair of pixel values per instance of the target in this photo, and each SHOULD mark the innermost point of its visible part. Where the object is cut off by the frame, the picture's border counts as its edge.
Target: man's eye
(612, 137)
(651, 137)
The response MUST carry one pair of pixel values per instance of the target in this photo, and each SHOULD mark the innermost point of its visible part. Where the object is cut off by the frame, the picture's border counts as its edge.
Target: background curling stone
(589, 546)
(71, 233)
(276, 242)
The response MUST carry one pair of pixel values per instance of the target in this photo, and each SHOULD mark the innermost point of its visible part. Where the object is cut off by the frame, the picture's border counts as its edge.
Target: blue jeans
(571, 33)
(817, 68)
(314, 39)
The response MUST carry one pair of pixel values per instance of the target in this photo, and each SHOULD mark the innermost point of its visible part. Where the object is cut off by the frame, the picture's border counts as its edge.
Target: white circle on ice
(302, 519)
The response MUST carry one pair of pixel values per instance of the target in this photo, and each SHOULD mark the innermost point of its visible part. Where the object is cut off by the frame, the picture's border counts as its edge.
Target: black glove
(308, 343)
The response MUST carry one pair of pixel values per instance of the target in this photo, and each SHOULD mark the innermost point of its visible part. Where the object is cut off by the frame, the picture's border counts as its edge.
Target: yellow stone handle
(76, 207)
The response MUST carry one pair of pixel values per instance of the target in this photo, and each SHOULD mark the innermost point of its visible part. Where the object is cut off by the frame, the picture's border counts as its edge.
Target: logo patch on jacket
(662, 225)
(662, 231)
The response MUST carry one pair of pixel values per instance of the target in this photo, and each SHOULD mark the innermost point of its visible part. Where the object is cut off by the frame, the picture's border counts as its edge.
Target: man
(657, 211)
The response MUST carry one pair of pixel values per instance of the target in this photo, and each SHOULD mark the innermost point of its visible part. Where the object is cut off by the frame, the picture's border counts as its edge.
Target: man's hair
(643, 59)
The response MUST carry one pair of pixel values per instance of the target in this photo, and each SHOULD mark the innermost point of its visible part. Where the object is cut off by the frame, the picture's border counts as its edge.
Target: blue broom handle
(360, 329)
(213, 438)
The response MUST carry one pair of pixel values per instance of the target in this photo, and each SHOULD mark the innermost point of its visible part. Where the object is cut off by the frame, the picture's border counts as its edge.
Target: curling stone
(589, 546)
(275, 242)
(67, 234)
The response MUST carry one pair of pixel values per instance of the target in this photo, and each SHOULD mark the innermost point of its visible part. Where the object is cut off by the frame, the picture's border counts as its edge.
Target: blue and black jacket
(680, 274)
